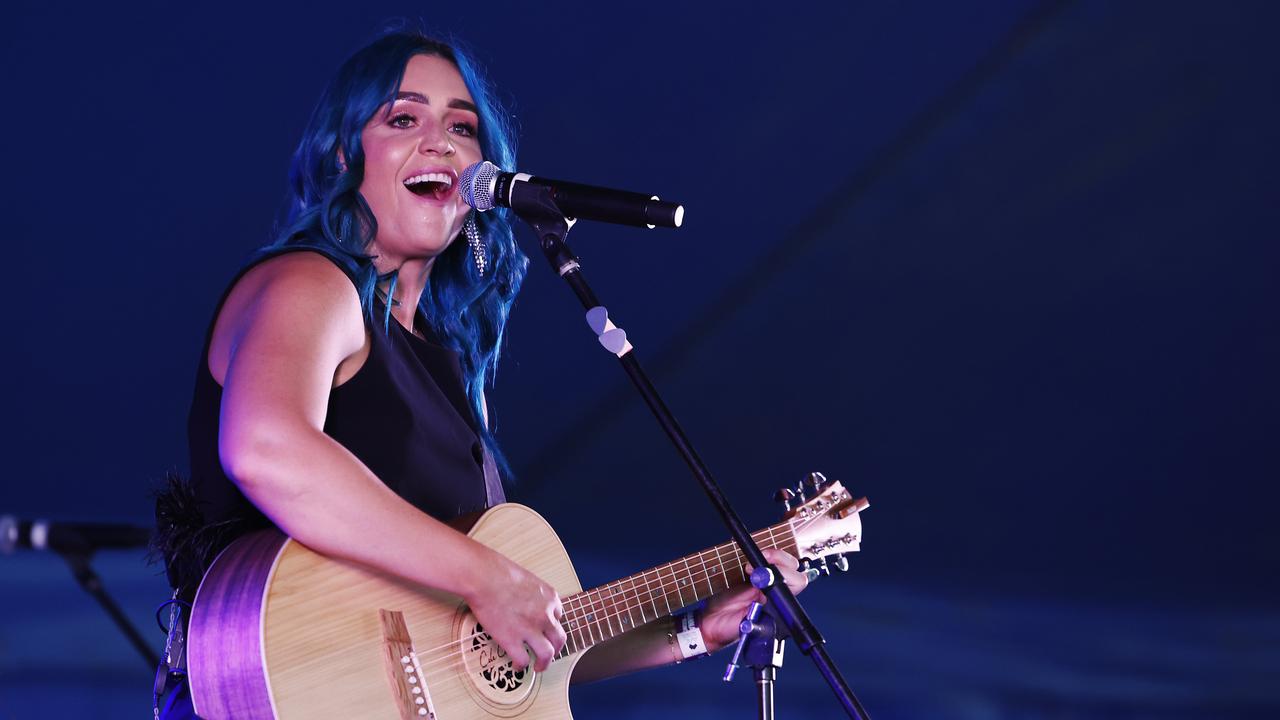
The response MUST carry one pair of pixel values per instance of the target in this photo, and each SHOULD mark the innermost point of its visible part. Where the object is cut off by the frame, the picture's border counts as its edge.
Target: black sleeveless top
(404, 414)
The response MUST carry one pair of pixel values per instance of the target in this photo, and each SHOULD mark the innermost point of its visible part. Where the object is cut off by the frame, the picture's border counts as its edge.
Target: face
(413, 156)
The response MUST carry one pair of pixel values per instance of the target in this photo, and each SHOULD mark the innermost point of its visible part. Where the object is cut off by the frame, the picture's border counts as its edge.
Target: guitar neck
(604, 612)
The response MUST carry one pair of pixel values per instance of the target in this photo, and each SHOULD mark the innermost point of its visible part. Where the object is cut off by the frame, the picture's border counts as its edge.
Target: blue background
(1002, 267)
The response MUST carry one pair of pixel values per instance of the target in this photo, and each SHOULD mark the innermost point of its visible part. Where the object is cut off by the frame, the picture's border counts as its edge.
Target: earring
(476, 241)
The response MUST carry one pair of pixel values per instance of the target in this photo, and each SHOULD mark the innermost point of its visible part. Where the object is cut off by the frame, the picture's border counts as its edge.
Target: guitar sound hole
(492, 661)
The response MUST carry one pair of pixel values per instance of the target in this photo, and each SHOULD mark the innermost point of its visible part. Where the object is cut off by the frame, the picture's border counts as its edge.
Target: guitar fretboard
(605, 612)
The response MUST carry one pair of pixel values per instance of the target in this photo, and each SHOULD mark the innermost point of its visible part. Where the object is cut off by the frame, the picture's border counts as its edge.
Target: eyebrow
(453, 103)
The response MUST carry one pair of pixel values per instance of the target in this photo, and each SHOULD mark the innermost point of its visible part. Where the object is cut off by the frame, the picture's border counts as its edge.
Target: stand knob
(745, 629)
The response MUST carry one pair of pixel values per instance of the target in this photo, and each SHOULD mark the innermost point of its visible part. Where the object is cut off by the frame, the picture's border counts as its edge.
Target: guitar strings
(563, 653)
(650, 588)
(695, 576)
(580, 605)
(579, 602)
(575, 602)
(634, 593)
(768, 536)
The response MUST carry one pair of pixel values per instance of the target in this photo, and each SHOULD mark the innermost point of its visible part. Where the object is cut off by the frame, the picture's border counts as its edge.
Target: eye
(402, 120)
(465, 129)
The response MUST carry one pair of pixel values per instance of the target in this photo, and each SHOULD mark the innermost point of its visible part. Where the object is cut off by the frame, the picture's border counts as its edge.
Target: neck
(411, 281)
(602, 613)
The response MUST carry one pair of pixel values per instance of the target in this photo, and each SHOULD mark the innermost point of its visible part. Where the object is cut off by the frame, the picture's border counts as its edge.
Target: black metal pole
(536, 206)
(92, 584)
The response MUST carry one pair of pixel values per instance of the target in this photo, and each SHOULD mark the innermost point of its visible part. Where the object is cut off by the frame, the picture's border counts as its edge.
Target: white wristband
(689, 637)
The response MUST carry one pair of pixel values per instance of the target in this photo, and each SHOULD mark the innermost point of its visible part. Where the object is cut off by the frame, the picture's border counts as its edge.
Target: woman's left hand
(724, 612)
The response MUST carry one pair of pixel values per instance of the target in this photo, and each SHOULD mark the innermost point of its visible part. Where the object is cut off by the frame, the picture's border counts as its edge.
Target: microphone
(485, 186)
(18, 534)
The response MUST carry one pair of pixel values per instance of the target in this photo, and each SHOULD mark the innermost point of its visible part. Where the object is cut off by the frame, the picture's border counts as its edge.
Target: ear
(342, 161)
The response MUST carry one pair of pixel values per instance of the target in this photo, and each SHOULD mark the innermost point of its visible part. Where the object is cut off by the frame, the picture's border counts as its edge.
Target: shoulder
(299, 298)
(305, 287)
(306, 275)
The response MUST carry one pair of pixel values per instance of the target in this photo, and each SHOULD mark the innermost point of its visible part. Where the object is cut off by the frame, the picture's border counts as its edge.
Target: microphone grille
(478, 184)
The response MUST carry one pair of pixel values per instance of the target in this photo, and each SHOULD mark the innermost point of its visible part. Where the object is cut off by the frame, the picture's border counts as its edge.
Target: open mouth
(435, 185)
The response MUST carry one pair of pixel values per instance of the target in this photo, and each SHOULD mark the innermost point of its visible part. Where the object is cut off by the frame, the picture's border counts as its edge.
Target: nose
(435, 140)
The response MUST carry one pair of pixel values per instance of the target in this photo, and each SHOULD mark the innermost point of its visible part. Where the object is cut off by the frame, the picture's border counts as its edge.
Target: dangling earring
(474, 239)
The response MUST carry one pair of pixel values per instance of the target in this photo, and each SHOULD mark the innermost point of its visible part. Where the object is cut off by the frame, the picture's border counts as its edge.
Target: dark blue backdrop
(1002, 267)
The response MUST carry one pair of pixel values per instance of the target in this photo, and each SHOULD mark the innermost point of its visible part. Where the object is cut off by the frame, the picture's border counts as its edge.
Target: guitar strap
(493, 492)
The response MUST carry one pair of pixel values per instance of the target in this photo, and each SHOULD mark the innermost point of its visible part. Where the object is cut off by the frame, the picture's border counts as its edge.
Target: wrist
(685, 638)
(483, 565)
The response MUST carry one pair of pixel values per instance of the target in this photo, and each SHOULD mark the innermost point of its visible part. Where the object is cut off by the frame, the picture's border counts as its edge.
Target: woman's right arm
(281, 337)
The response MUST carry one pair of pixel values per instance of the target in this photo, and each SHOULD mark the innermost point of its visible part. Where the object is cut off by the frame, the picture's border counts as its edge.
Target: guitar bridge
(403, 669)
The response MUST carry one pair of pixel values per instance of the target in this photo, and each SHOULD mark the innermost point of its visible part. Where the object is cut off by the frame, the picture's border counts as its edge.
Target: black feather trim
(183, 540)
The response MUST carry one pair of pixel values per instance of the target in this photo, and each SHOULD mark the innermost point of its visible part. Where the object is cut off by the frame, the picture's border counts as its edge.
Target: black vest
(404, 414)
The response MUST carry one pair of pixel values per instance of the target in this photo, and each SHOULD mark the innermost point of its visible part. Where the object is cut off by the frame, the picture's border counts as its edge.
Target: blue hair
(467, 311)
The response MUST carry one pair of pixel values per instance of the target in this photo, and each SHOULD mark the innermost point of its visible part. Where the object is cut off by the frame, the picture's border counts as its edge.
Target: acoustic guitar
(279, 631)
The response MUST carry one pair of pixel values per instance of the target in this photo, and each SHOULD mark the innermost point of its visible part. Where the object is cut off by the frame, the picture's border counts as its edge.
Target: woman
(341, 392)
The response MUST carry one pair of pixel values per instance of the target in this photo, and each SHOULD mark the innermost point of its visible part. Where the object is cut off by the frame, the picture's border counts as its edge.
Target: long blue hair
(326, 212)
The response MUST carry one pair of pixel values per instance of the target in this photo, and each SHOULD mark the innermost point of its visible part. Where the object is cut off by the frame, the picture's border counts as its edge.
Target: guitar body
(279, 631)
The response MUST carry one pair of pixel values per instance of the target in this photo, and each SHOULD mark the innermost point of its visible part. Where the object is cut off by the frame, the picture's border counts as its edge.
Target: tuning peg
(822, 566)
(817, 481)
(800, 493)
(809, 571)
(842, 562)
(784, 496)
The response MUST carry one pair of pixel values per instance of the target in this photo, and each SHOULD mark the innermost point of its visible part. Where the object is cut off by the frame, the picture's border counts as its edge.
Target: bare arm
(285, 332)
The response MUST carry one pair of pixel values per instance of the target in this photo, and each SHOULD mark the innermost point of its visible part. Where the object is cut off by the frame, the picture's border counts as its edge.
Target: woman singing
(340, 396)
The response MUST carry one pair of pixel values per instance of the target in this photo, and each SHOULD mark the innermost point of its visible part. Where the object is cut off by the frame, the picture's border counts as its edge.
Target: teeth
(431, 177)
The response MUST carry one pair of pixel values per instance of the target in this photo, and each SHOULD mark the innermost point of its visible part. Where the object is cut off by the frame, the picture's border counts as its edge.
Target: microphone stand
(536, 206)
(88, 578)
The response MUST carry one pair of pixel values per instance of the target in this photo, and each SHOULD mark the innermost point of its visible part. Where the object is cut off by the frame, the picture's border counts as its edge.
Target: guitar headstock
(826, 524)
